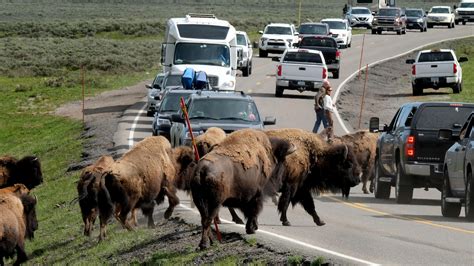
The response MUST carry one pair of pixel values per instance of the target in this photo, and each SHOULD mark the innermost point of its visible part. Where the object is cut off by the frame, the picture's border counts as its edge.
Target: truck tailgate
(434, 69)
(306, 72)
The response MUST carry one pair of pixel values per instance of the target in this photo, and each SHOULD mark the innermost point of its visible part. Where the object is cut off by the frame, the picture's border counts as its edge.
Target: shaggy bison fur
(17, 222)
(25, 171)
(213, 136)
(143, 176)
(238, 173)
(315, 166)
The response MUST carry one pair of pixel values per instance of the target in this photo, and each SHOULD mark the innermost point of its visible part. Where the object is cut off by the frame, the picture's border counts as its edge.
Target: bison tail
(110, 191)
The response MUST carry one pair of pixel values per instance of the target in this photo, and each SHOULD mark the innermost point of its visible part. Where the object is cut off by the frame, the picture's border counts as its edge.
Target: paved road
(363, 229)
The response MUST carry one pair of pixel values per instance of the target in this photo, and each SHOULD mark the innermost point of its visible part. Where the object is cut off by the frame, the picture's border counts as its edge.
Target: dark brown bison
(26, 171)
(17, 222)
(238, 173)
(364, 145)
(315, 166)
(88, 187)
(143, 176)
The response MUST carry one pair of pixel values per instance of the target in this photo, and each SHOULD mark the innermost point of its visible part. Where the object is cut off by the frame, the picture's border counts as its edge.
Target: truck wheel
(246, 71)
(463, 22)
(399, 32)
(381, 189)
(448, 209)
(374, 31)
(457, 88)
(422, 29)
(416, 90)
(404, 31)
(469, 201)
(279, 91)
(250, 69)
(379, 31)
(403, 193)
(335, 74)
(262, 53)
(456, 22)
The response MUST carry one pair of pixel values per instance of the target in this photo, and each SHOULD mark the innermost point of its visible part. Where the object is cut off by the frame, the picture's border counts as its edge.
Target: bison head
(185, 164)
(29, 212)
(28, 172)
(336, 169)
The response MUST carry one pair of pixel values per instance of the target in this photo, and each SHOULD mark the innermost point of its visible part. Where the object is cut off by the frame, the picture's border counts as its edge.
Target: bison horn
(36, 198)
(346, 152)
(35, 159)
(291, 149)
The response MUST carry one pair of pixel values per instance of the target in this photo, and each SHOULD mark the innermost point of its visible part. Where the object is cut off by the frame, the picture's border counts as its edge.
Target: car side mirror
(374, 124)
(260, 31)
(463, 59)
(269, 120)
(250, 46)
(177, 118)
(410, 61)
(374, 13)
(148, 86)
(296, 33)
(157, 86)
(276, 59)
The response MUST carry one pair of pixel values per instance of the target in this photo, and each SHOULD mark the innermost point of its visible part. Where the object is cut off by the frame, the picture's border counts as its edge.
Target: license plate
(435, 80)
(301, 83)
(276, 47)
(384, 28)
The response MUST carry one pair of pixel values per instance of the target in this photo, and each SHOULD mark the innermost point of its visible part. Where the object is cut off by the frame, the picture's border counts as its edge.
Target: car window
(410, 116)
(435, 57)
(443, 117)
(336, 25)
(218, 108)
(170, 102)
(464, 5)
(302, 57)
(360, 11)
(389, 12)
(241, 40)
(158, 80)
(414, 13)
(172, 80)
(394, 120)
(278, 30)
(440, 10)
(317, 29)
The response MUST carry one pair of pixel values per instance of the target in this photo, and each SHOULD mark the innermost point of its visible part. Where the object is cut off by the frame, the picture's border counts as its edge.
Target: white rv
(203, 43)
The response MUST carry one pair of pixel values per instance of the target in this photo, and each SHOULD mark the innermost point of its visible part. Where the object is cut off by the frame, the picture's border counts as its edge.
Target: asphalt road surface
(362, 230)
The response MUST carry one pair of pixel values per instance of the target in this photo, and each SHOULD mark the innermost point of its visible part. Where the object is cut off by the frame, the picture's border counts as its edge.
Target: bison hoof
(365, 191)
(250, 231)
(238, 221)
(203, 245)
(168, 214)
(320, 223)
(286, 223)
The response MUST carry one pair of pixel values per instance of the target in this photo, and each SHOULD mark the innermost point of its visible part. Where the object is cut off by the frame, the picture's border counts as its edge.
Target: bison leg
(173, 200)
(308, 204)
(20, 254)
(251, 211)
(283, 204)
(147, 210)
(235, 218)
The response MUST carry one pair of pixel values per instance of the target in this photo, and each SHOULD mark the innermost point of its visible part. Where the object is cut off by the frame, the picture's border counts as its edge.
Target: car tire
(417, 91)
(335, 74)
(150, 113)
(350, 43)
(262, 53)
(464, 22)
(456, 22)
(457, 88)
(379, 31)
(448, 209)
(469, 201)
(246, 71)
(422, 30)
(381, 189)
(279, 91)
(374, 31)
(404, 31)
(251, 66)
(403, 193)
(399, 32)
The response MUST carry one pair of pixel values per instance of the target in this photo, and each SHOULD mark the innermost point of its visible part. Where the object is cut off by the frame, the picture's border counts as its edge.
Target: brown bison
(364, 145)
(315, 166)
(88, 187)
(26, 171)
(17, 222)
(213, 136)
(143, 176)
(238, 173)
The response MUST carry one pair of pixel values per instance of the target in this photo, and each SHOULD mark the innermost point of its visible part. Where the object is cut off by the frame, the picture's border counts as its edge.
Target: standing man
(329, 109)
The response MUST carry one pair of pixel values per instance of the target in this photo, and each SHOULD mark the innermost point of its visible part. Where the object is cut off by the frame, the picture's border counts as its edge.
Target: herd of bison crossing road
(289, 162)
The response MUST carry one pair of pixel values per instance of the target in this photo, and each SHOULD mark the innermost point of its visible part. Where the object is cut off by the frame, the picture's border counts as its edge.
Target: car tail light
(410, 146)
(279, 70)
(455, 68)
(325, 73)
(413, 70)
(338, 54)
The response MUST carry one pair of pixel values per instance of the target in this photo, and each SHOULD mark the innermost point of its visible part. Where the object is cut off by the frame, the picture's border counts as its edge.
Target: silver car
(153, 95)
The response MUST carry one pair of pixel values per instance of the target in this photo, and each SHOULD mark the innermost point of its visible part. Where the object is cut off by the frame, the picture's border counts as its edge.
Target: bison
(315, 166)
(364, 145)
(17, 222)
(238, 173)
(143, 176)
(25, 171)
(88, 187)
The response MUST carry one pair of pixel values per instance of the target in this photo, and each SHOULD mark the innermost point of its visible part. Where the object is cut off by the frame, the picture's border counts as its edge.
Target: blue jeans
(320, 117)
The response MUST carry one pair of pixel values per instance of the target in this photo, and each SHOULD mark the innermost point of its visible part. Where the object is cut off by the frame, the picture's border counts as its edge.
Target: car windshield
(223, 109)
(241, 40)
(202, 54)
(315, 41)
(464, 5)
(336, 25)
(278, 30)
(360, 11)
(170, 102)
(389, 12)
(435, 57)
(414, 13)
(301, 56)
(313, 29)
(172, 80)
(439, 10)
(158, 80)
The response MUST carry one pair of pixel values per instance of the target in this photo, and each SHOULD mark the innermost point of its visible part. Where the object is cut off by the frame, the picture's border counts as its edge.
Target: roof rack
(199, 92)
(199, 15)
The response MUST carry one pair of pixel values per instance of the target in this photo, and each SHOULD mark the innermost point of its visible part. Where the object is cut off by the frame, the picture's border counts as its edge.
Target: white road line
(134, 125)
(288, 239)
(379, 62)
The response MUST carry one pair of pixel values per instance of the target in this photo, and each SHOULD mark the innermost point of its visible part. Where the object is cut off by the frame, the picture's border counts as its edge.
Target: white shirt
(328, 105)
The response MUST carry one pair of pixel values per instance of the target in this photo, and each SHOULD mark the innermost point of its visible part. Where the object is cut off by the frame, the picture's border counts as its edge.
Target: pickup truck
(300, 69)
(390, 19)
(458, 186)
(330, 49)
(410, 153)
(435, 69)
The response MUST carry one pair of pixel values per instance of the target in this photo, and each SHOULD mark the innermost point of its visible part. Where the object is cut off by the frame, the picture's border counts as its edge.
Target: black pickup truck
(410, 152)
(330, 49)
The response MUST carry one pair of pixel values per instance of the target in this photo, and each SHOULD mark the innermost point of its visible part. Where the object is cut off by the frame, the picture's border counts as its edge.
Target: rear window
(203, 32)
(323, 42)
(302, 57)
(443, 117)
(316, 29)
(435, 57)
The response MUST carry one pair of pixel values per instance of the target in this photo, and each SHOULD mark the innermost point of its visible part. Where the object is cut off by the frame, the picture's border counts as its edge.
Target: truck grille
(386, 22)
(276, 43)
(213, 81)
(361, 18)
(465, 12)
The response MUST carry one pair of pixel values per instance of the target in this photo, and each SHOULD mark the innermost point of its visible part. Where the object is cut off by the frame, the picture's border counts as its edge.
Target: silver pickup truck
(300, 69)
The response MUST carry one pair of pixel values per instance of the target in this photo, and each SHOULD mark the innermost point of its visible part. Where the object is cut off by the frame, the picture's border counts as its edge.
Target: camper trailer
(204, 43)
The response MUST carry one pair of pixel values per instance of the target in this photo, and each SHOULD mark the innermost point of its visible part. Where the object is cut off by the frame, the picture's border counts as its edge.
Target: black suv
(229, 110)
(410, 153)
(416, 19)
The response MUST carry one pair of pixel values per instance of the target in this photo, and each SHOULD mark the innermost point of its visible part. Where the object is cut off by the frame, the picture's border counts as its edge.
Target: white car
(276, 38)
(153, 95)
(440, 15)
(340, 30)
(245, 48)
(360, 17)
(464, 12)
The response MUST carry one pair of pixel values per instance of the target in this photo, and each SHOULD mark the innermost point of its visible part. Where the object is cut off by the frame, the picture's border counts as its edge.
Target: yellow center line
(418, 220)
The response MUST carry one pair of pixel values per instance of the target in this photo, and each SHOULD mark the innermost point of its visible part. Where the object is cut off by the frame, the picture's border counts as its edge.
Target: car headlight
(162, 121)
(228, 85)
(419, 20)
(374, 20)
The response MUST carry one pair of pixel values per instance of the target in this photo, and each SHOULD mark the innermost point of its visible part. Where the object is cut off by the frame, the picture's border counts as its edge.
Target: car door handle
(434, 66)
(302, 68)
